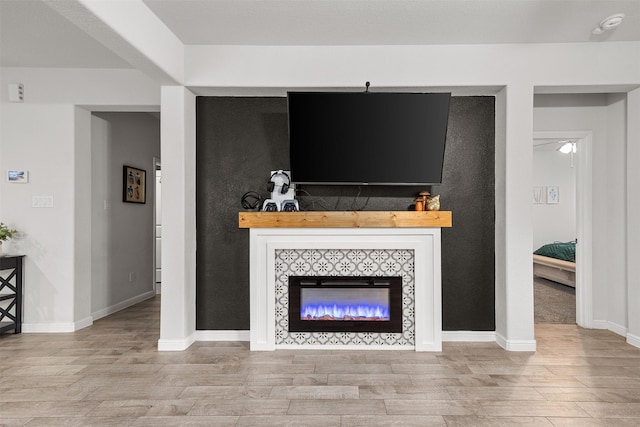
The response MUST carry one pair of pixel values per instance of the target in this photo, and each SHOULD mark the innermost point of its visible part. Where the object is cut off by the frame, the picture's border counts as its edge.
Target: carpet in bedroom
(553, 302)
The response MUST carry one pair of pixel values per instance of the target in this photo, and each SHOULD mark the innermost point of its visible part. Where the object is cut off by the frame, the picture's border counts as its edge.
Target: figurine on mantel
(427, 202)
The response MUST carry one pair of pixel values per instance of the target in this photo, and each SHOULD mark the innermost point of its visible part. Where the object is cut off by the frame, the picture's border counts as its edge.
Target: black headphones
(285, 187)
(251, 200)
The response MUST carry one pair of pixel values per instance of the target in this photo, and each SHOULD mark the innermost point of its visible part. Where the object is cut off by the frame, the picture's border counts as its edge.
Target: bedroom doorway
(550, 290)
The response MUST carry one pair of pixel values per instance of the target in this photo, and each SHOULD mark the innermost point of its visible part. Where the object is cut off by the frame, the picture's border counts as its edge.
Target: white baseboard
(176, 345)
(611, 326)
(205, 335)
(468, 336)
(56, 327)
(634, 340)
(515, 345)
(84, 323)
(158, 288)
(61, 327)
(599, 324)
(49, 327)
(618, 329)
(122, 305)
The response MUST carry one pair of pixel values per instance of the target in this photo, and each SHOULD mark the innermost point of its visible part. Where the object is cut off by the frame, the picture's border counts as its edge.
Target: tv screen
(367, 138)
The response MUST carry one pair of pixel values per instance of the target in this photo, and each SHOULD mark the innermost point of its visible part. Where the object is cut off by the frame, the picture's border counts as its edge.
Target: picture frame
(134, 185)
(18, 176)
(553, 195)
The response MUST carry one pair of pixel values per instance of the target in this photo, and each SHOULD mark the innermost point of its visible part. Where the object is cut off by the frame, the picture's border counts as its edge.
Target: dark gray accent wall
(239, 140)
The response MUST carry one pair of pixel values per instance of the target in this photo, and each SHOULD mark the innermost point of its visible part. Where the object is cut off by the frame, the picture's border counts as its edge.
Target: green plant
(5, 232)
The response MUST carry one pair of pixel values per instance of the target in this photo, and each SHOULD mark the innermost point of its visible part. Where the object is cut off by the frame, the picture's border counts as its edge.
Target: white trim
(208, 335)
(618, 329)
(56, 327)
(448, 336)
(599, 324)
(469, 336)
(584, 221)
(84, 323)
(515, 345)
(176, 345)
(343, 347)
(38, 328)
(610, 326)
(158, 287)
(425, 242)
(122, 305)
(633, 340)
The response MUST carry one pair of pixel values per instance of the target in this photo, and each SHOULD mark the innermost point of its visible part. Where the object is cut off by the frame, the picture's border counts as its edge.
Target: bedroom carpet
(554, 302)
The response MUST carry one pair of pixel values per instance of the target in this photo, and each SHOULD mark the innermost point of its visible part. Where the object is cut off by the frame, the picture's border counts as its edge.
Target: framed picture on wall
(18, 177)
(134, 185)
(553, 195)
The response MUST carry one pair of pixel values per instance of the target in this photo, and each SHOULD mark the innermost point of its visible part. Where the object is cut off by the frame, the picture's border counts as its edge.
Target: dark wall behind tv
(240, 140)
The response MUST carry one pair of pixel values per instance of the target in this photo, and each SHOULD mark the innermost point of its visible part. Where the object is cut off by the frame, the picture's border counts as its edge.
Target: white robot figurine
(283, 193)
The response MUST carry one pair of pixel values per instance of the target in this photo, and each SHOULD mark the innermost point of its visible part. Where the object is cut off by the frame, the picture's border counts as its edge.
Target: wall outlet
(132, 277)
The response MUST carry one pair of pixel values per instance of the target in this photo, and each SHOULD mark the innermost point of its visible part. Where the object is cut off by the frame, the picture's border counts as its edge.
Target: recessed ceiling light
(609, 23)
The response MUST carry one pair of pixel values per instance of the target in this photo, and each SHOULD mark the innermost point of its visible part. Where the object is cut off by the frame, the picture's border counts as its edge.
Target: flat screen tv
(367, 138)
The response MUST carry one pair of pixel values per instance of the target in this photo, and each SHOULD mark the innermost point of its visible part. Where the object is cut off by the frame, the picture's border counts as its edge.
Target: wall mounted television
(371, 138)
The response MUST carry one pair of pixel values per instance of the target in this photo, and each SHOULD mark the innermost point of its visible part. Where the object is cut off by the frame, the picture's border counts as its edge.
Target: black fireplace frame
(393, 283)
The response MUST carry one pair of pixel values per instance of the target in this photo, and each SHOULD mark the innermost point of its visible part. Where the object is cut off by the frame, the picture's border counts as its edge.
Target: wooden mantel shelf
(350, 219)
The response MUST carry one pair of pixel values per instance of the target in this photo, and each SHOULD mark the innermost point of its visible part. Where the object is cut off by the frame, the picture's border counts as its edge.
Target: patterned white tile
(344, 262)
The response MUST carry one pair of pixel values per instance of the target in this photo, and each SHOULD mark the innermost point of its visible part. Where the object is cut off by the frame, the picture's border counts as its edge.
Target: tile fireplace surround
(343, 262)
(408, 251)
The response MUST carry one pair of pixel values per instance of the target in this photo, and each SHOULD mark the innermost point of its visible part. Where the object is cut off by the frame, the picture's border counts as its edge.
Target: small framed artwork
(18, 177)
(134, 185)
(553, 195)
(538, 195)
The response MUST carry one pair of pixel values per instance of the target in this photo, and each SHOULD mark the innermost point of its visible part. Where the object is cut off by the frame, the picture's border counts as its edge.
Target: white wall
(100, 193)
(123, 231)
(616, 203)
(594, 113)
(40, 139)
(82, 217)
(178, 142)
(633, 217)
(124, 90)
(554, 222)
(50, 136)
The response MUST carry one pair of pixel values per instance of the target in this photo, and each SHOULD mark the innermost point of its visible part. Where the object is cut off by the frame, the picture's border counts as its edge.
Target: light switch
(42, 201)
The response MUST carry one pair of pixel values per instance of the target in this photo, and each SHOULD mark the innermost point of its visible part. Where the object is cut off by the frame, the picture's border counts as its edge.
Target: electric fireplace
(345, 304)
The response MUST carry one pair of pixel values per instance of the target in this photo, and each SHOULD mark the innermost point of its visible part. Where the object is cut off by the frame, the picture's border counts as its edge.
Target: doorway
(581, 161)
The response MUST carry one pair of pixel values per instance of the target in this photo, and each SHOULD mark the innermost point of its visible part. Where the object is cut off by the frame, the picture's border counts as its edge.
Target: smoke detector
(608, 23)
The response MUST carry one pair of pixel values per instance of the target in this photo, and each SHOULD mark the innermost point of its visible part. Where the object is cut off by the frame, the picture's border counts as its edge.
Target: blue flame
(344, 312)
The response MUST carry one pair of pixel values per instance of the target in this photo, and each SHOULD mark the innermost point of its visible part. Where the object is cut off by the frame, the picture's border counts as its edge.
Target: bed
(557, 262)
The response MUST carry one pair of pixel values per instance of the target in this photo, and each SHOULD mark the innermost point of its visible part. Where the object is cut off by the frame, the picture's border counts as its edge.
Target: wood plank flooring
(111, 374)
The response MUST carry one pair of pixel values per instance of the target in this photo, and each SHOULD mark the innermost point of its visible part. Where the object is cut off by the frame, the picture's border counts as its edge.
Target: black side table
(11, 282)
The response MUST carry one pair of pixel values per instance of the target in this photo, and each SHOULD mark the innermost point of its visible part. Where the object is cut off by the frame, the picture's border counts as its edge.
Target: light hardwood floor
(111, 374)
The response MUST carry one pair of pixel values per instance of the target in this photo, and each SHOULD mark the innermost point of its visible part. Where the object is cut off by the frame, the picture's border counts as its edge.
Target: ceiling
(33, 34)
(391, 22)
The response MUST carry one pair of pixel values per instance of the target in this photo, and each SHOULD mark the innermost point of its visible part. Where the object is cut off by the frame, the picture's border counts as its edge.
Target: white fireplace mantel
(423, 241)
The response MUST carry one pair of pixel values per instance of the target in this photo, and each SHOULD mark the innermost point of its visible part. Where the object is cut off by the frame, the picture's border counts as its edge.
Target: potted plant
(6, 233)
